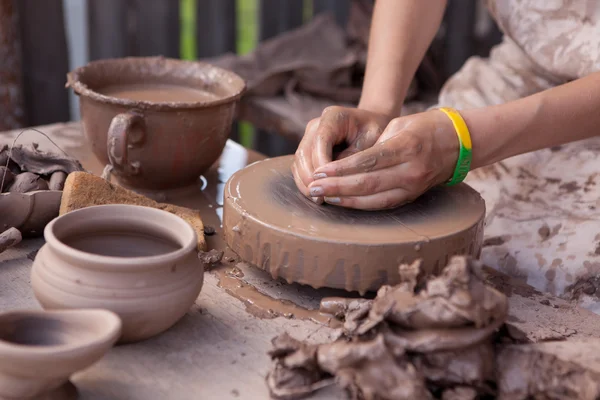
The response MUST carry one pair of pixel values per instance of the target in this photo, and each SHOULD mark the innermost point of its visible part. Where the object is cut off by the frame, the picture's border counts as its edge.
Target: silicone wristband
(465, 155)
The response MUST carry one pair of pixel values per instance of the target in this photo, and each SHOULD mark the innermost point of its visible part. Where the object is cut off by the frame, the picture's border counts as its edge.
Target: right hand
(358, 129)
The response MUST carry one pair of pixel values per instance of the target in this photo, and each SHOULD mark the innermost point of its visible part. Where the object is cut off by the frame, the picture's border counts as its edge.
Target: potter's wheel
(270, 224)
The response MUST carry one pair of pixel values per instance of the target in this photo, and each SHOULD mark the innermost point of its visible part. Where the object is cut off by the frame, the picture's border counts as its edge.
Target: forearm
(566, 113)
(401, 32)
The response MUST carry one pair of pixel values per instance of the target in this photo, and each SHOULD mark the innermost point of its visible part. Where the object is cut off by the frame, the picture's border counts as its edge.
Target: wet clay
(270, 224)
(158, 93)
(40, 350)
(9, 238)
(261, 305)
(434, 337)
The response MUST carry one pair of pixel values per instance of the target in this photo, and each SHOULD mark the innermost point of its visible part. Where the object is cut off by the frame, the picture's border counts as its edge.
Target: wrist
(387, 108)
(448, 145)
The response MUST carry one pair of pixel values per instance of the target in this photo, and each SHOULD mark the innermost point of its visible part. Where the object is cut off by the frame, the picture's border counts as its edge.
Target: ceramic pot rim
(187, 236)
(24, 351)
(74, 80)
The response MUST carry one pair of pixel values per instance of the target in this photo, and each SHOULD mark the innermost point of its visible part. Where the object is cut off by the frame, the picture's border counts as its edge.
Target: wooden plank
(45, 60)
(108, 24)
(339, 8)
(11, 91)
(460, 33)
(276, 17)
(156, 28)
(215, 27)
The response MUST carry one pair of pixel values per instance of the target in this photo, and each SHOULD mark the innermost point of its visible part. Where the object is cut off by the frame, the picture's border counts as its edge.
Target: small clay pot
(140, 262)
(40, 350)
(156, 145)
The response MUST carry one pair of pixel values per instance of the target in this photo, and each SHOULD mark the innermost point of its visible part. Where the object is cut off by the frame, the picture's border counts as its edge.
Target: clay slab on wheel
(270, 224)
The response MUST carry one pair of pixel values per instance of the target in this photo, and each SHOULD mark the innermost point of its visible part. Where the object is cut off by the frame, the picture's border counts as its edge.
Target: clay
(7, 176)
(57, 180)
(151, 145)
(552, 370)
(210, 258)
(408, 342)
(412, 342)
(139, 262)
(9, 238)
(29, 212)
(158, 93)
(83, 190)
(270, 224)
(39, 162)
(40, 350)
(27, 182)
(262, 306)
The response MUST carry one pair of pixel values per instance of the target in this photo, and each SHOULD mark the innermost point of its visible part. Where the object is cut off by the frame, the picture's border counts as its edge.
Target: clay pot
(156, 145)
(139, 262)
(40, 350)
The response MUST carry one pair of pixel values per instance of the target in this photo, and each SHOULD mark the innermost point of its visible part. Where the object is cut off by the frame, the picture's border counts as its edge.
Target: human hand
(413, 154)
(357, 129)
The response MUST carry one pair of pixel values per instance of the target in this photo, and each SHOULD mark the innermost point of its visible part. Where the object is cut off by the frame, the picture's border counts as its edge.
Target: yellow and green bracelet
(465, 155)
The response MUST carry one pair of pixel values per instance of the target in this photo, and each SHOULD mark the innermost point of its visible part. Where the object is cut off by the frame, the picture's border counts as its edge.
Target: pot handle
(126, 131)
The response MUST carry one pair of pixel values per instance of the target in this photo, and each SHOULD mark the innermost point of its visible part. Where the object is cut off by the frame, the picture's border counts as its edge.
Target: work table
(541, 218)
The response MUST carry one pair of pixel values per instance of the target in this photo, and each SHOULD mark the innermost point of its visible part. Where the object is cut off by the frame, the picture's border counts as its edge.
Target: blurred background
(298, 55)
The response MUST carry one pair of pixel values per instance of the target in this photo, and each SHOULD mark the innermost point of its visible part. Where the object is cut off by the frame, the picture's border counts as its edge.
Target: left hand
(413, 154)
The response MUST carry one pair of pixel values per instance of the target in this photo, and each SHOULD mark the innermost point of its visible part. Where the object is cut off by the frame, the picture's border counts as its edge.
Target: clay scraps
(9, 238)
(433, 338)
(31, 169)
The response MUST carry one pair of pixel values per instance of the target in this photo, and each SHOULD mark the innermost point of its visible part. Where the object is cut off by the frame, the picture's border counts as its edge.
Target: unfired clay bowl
(40, 350)
(141, 263)
(163, 143)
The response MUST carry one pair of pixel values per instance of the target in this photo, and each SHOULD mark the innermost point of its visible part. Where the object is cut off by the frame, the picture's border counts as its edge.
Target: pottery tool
(270, 224)
(83, 190)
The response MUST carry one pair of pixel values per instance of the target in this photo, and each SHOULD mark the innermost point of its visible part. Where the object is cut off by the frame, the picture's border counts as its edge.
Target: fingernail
(333, 200)
(316, 191)
(315, 199)
(320, 175)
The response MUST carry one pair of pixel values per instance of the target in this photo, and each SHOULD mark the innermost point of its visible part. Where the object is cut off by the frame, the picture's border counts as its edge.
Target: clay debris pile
(433, 338)
(30, 169)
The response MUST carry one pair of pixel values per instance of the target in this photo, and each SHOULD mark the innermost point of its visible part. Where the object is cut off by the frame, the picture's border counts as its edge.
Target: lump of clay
(39, 162)
(9, 238)
(27, 182)
(6, 178)
(57, 180)
(413, 341)
(553, 370)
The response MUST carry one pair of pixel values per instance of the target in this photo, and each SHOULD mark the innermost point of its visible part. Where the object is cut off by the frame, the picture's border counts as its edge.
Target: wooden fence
(118, 28)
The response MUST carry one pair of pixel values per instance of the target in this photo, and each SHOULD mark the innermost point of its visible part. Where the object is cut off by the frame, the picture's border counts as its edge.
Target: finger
(303, 156)
(398, 149)
(302, 187)
(362, 184)
(384, 200)
(333, 129)
(364, 140)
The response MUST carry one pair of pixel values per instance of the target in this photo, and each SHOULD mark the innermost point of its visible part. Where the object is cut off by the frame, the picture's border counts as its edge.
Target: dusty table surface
(219, 349)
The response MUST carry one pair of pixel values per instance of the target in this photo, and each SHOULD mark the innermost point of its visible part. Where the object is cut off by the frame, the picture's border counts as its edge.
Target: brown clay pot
(156, 145)
(139, 262)
(40, 350)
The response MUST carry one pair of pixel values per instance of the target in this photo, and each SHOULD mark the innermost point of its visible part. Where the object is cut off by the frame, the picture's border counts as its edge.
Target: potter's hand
(355, 128)
(413, 154)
